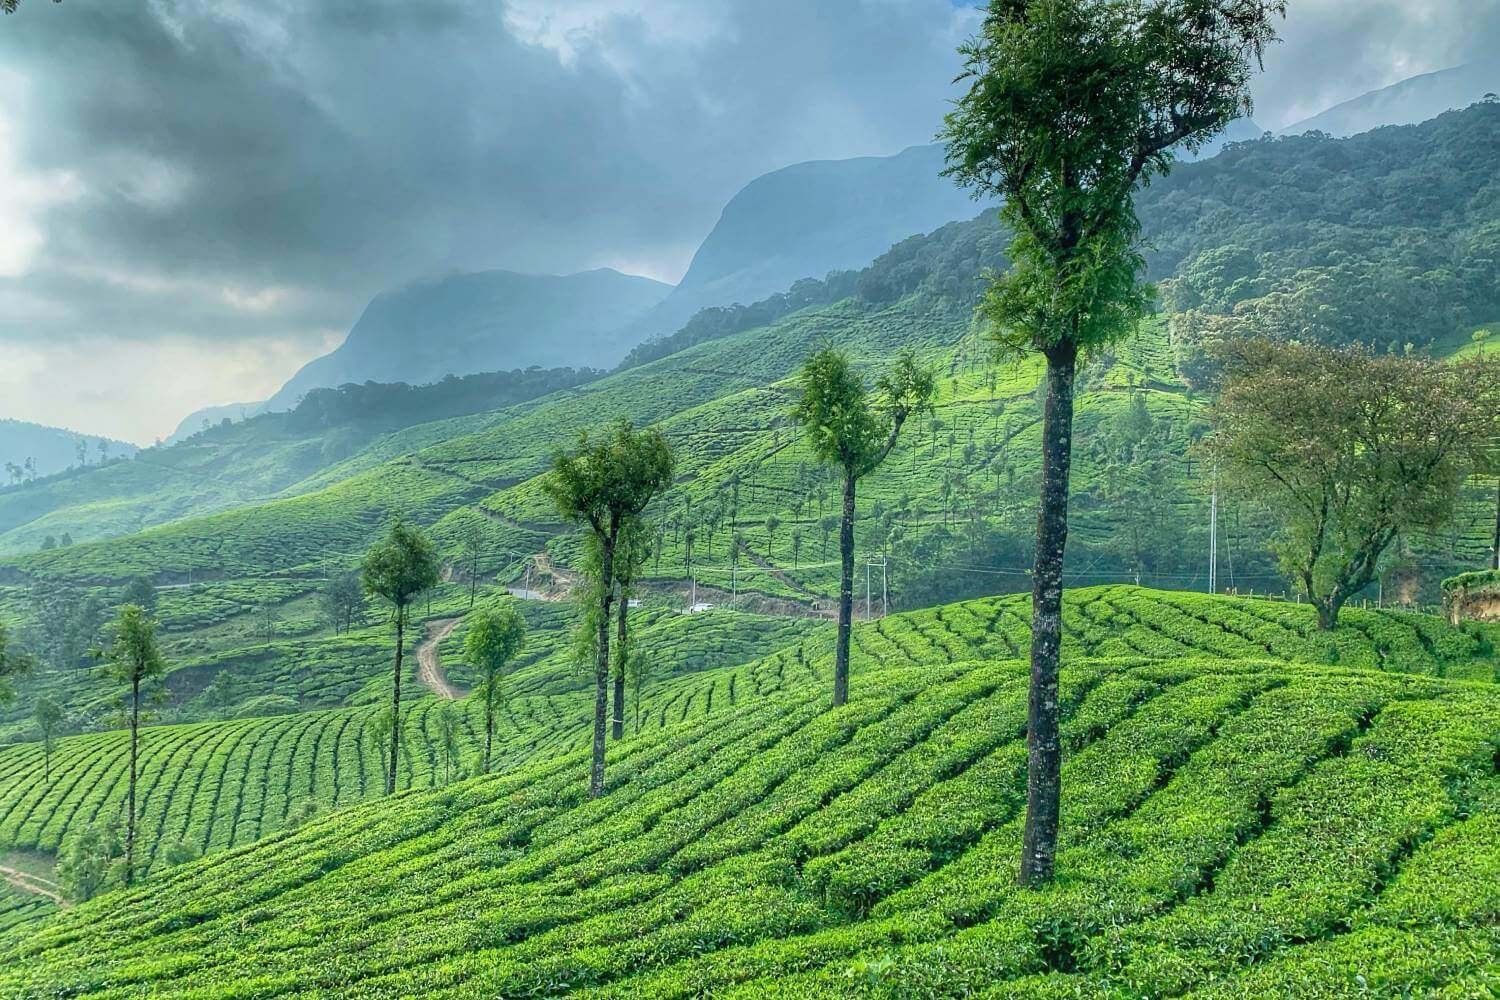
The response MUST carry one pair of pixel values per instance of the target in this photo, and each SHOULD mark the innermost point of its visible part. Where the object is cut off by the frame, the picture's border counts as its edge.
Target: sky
(201, 195)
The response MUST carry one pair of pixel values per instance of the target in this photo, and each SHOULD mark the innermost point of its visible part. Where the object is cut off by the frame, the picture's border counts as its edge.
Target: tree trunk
(1328, 611)
(601, 669)
(135, 731)
(390, 775)
(1495, 552)
(1044, 752)
(618, 727)
(846, 596)
(489, 721)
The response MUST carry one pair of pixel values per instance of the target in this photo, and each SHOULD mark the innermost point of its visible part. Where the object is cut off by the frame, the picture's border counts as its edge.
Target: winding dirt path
(33, 884)
(429, 663)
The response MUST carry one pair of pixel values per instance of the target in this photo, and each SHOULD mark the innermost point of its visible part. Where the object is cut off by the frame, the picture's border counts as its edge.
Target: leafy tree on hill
(398, 569)
(85, 862)
(1349, 449)
(141, 592)
(13, 663)
(493, 640)
(1072, 104)
(133, 660)
(846, 431)
(603, 484)
(450, 726)
(342, 600)
(48, 715)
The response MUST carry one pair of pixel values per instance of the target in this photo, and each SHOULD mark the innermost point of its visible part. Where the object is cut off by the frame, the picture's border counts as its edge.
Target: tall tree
(473, 548)
(604, 483)
(133, 660)
(48, 714)
(1349, 449)
(493, 640)
(342, 600)
(397, 569)
(630, 556)
(14, 662)
(1070, 105)
(846, 430)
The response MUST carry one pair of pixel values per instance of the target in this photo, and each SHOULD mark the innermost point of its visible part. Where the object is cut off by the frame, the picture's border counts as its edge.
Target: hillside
(30, 451)
(489, 321)
(806, 220)
(219, 784)
(1357, 243)
(249, 460)
(1405, 103)
(951, 512)
(775, 847)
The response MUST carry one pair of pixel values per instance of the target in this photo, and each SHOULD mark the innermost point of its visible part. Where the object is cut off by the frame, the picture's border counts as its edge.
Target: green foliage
(400, 567)
(493, 639)
(87, 861)
(1350, 450)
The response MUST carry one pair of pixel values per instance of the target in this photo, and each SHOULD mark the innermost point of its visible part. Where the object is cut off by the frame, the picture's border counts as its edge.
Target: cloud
(1333, 50)
(230, 174)
(238, 170)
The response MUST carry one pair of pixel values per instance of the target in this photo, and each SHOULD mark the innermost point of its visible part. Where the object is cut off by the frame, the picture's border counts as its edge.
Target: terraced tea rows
(785, 849)
(216, 785)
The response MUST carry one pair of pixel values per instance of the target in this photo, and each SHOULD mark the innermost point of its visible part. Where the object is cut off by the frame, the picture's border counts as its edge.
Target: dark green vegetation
(769, 845)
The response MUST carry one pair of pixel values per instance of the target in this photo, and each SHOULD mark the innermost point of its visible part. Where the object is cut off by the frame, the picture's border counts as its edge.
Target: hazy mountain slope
(489, 321)
(1412, 100)
(232, 464)
(806, 220)
(51, 449)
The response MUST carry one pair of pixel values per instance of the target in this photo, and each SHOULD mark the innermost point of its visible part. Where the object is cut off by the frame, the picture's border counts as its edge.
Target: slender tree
(602, 484)
(48, 715)
(397, 569)
(847, 431)
(473, 547)
(133, 660)
(493, 640)
(1070, 105)
(630, 556)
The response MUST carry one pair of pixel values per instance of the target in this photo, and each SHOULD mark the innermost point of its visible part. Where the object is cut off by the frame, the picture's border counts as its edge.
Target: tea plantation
(221, 784)
(1231, 828)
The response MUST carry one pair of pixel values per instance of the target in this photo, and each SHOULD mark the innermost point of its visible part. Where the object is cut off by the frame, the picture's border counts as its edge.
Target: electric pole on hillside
(1213, 535)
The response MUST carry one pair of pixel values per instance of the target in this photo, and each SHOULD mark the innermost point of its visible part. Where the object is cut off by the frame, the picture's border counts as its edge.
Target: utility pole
(694, 603)
(526, 590)
(885, 593)
(867, 591)
(1213, 536)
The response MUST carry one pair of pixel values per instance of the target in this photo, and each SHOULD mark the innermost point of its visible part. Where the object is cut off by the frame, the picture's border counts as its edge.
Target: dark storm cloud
(311, 154)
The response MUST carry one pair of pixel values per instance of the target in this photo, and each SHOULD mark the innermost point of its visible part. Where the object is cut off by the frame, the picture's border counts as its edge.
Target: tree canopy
(1350, 449)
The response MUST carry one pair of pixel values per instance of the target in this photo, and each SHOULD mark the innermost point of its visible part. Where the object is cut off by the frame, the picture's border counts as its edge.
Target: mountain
(486, 321)
(806, 220)
(52, 449)
(1412, 100)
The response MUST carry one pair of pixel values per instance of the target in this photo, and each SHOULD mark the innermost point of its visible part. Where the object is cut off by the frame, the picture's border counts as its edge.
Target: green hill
(219, 784)
(1231, 827)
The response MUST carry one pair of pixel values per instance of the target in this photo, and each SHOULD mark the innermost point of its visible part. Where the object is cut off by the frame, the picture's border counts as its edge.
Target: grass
(1239, 827)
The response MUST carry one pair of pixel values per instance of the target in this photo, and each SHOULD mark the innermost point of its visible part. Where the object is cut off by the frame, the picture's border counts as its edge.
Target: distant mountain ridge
(51, 449)
(1408, 102)
(485, 321)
